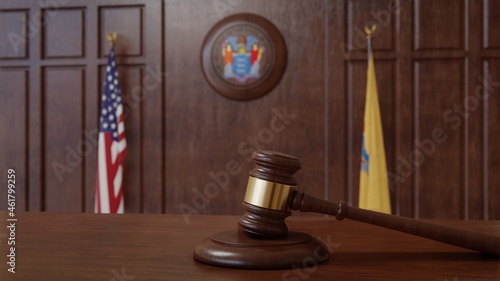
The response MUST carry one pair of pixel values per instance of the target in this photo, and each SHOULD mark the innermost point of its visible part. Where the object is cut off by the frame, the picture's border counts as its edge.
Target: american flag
(112, 145)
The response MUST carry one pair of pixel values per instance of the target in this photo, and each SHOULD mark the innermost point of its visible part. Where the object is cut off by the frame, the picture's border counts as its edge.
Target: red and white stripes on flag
(112, 145)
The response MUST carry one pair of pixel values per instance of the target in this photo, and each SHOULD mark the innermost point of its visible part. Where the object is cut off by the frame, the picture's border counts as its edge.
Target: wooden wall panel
(13, 29)
(361, 14)
(474, 164)
(63, 33)
(402, 179)
(438, 153)
(489, 87)
(13, 121)
(127, 21)
(205, 131)
(438, 24)
(491, 23)
(336, 126)
(491, 133)
(62, 52)
(63, 112)
(430, 56)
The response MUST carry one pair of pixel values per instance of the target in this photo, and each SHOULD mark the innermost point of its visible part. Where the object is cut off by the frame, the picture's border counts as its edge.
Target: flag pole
(370, 33)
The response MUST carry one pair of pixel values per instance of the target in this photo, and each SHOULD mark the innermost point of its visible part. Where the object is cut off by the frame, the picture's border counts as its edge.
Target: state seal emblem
(243, 57)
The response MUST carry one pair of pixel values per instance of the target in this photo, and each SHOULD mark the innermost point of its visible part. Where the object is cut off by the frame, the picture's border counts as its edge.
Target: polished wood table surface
(73, 246)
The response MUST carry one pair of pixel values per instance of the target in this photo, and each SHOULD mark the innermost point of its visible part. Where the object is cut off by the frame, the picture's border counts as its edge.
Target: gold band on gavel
(269, 195)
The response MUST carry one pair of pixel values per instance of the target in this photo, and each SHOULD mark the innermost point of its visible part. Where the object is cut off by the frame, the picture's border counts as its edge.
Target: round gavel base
(237, 249)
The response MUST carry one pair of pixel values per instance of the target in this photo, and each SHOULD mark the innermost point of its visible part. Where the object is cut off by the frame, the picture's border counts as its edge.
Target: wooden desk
(53, 246)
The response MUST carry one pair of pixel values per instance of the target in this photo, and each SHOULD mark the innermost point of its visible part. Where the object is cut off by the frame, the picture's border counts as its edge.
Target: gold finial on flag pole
(370, 31)
(111, 38)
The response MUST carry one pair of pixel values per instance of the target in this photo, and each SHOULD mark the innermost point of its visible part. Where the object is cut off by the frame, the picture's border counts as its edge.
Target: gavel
(272, 193)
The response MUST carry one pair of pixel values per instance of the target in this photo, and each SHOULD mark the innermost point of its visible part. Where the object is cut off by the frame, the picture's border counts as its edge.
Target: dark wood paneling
(491, 91)
(438, 153)
(438, 24)
(212, 130)
(13, 30)
(127, 21)
(474, 181)
(491, 24)
(336, 100)
(66, 51)
(63, 32)
(13, 121)
(402, 179)
(380, 13)
(63, 129)
(184, 139)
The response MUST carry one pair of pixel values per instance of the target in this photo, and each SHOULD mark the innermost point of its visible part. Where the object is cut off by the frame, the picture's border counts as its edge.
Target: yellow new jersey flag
(373, 184)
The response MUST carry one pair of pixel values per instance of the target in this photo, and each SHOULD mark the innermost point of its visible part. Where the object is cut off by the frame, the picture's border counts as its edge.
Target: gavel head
(271, 186)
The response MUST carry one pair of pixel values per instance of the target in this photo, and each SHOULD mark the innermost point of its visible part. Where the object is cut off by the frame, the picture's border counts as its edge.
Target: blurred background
(438, 73)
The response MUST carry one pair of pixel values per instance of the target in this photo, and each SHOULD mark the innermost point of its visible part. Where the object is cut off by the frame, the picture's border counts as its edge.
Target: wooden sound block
(238, 249)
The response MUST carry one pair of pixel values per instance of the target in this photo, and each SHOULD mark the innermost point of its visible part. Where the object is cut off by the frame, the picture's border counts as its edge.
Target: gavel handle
(474, 240)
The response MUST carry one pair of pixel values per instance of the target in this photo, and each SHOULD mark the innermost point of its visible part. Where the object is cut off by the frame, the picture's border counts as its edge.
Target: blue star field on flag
(111, 99)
